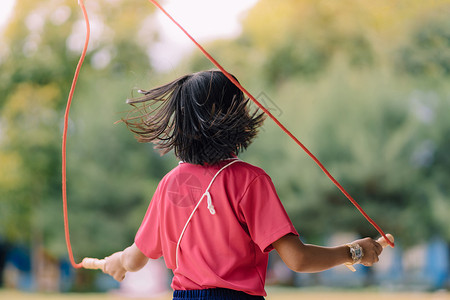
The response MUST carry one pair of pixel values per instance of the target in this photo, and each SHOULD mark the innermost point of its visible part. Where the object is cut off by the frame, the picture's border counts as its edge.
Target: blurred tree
(110, 176)
(430, 156)
(427, 50)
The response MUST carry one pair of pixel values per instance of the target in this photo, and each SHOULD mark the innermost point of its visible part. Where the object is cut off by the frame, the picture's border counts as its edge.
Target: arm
(311, 258)
(129, 260)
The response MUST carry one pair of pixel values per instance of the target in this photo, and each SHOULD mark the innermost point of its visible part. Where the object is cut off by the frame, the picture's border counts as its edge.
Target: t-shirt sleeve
(148, 237)
(264, 214)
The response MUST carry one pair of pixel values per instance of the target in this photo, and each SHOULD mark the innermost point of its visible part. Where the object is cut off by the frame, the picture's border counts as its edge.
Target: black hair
(203, 117)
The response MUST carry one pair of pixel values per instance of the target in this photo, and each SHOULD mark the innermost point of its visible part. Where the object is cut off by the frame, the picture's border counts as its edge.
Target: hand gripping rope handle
(384, 242)
(88, 263)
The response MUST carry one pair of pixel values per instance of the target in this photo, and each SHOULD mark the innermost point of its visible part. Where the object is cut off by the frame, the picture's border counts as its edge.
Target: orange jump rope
(91, 263)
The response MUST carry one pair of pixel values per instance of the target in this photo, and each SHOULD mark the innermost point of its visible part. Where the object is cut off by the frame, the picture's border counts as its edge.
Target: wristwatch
(356, 251)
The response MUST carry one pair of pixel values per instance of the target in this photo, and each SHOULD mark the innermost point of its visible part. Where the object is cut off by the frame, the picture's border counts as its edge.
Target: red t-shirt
(226, 250)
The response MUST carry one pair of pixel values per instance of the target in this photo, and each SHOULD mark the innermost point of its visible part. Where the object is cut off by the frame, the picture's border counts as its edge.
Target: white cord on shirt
(210, 207)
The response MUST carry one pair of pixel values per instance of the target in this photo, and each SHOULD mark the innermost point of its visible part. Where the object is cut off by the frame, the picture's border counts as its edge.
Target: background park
(363, 84)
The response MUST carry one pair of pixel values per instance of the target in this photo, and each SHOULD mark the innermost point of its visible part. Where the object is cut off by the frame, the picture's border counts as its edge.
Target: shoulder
(245, 175)
(170, 176)
(248, 169)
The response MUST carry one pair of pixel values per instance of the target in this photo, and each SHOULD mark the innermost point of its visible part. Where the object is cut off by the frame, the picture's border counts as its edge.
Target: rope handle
(382, 241)
(93, 263)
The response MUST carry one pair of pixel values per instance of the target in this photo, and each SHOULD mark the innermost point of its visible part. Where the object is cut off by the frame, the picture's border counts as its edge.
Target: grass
(274, 294)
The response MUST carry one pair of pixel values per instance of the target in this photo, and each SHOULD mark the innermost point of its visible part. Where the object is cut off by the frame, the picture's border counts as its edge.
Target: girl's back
(226, 247)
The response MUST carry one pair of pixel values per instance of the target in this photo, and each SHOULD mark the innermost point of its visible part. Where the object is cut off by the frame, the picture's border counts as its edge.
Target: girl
(215, 218)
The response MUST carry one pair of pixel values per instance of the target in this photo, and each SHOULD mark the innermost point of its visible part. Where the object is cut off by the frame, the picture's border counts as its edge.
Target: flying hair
(203, 117)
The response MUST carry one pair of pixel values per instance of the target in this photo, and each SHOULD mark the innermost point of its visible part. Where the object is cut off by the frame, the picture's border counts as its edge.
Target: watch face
(358, 252)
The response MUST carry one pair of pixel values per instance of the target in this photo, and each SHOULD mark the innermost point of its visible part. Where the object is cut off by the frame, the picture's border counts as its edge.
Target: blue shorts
(214, 294)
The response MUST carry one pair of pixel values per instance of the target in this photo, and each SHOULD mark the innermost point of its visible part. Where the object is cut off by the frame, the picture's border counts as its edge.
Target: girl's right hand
(371, 251)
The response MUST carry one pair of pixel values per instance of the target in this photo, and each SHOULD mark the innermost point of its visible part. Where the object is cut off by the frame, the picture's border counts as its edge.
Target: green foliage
(111, 176)
(45, 40)
(428, 49)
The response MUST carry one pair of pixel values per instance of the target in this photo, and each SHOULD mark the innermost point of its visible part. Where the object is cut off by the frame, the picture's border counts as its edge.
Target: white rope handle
(93, 263)
(210, 207)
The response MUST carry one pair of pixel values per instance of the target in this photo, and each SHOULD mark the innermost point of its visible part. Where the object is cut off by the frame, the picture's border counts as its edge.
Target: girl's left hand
(113, 266)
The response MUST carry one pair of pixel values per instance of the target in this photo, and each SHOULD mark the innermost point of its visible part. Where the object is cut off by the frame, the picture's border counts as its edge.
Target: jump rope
(384, 240)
